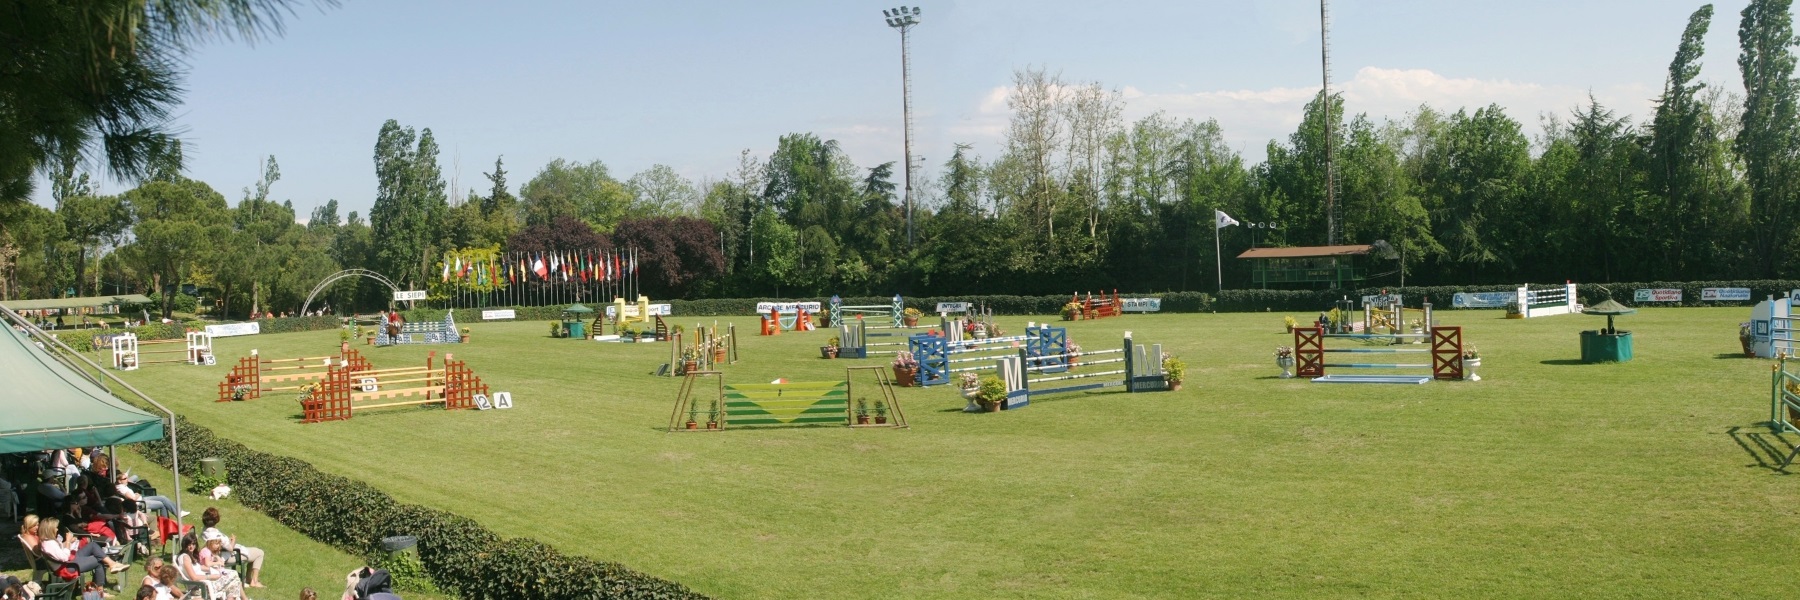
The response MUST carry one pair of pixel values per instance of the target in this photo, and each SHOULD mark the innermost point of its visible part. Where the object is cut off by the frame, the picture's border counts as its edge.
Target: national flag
(1224, 220)
(445, 278)
(634, 261)
(537, 266)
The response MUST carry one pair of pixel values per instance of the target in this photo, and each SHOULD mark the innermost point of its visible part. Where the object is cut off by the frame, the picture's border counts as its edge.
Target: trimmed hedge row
(1589, 293)
(459, 555)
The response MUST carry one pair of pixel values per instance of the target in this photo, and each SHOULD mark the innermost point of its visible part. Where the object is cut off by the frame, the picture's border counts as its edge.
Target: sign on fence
(1381, 300)
(1141, 304)
(1724, 294)
(952, 307)
(1483, 299)
(1659, 295)
(763, 308)
(411, 295)
(631, 311)
(231, 329)
(498, 315)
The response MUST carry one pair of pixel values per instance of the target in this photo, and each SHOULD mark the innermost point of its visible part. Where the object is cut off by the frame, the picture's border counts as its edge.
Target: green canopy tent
(49, 405)
(572, 317)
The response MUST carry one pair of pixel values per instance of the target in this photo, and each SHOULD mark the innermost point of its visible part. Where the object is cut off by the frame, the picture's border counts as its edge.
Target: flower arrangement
(1290, 323)
(911, 313)
(1470, 352)
(1282, 352)
(991, 392)
(905, 360)
(1070, 310)
(832, 343)
(1073, 349)
(1744, 332)
(968, 381)
(1174, 370)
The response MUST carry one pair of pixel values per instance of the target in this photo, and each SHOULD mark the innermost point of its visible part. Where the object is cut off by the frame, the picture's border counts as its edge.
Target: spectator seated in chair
(69, 550)
(128, 490)
(210, 519)
(221, 584)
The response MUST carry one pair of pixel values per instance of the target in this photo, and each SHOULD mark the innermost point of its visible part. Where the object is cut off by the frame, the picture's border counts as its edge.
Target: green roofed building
(1329, 267)
(46, 404)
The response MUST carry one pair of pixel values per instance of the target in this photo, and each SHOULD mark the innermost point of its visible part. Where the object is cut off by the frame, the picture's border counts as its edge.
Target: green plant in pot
(1174, 370)
(1070, 311)
(1747, 338)
(862, 411)
(910, 317)
(830, 349)
(1290, 323)
(991, 393)
(880, 412)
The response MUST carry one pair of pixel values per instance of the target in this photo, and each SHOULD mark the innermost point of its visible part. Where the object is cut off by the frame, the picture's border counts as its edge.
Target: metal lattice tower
(903, 19)
(1331, 216)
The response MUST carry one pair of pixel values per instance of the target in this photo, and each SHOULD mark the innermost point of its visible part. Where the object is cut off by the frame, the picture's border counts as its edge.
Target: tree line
(1075, 198)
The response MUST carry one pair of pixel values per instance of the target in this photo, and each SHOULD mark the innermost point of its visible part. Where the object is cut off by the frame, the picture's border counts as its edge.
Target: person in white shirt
(86, 557)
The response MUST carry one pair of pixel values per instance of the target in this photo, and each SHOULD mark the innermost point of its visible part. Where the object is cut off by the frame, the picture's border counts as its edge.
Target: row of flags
(569, 265)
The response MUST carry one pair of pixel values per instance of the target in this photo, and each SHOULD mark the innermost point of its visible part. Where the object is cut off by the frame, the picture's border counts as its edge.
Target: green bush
(458, 554)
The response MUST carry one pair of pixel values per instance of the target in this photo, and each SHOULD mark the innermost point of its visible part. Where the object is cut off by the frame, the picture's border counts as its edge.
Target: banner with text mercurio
(763, 308)
(1724, 294)
(1657, 295)
(231, 329)
(1483, 299)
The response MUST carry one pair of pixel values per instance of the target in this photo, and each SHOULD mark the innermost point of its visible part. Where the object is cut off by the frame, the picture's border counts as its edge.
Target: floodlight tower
(1331, 226)
(903, 19)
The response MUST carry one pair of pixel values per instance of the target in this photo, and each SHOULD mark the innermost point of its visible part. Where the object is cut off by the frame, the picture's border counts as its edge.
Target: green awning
(87, 302)
(578, 309)
(47, 405)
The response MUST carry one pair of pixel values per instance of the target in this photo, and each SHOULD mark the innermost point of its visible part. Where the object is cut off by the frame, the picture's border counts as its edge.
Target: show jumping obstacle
(940, 358)
(1559, 300)
(798, 403)
(890, 316)
(424, 332)
(1140, 370)
(795, 320)
(1101, 306)
(853, 341)
(625, 314)
(343, 391)
(253, 374)
(128, 351)
(1784, 401)
(1772, 327)
(1446, 353)
(710, 349)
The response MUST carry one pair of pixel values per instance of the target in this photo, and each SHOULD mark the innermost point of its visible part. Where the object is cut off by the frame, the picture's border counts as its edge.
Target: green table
(1598, 347)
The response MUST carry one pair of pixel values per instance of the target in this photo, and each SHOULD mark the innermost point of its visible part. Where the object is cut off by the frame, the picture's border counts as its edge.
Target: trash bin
(1599, 347)
(212, 466)
(400, 544)
(576, 330)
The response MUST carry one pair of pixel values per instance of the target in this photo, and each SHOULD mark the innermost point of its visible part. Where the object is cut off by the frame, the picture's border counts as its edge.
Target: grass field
(1547, 479)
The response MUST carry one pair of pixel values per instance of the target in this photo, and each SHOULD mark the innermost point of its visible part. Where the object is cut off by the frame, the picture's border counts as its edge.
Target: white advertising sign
(631, 311)
(1141, 304)
(763, 308)
(1660, 295)
(497, 315)
(410, 295)
(1724, 294)
(952, 307)
(231, 329)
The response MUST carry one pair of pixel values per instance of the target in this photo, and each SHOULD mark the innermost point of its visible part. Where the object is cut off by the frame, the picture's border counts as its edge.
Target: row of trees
(1077, 198)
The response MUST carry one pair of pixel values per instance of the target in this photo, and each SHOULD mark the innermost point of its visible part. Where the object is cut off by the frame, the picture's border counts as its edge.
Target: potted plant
(990, 393)
(830, 349)
(910, 317)
(1747, 339)
(1284, 358)
(344, 336)
(718, 353)
(970, 384)
(712, 417)
(1471, 361)
(693, 421)
(628, 333)
(465, 335)
(556, 329)
(880, 412)
(1071, 311)
(1513, 311)
(1073, 352)
(1174, 371)
(862, 411)
(1290, 322)
(690, 360)
(906, 368)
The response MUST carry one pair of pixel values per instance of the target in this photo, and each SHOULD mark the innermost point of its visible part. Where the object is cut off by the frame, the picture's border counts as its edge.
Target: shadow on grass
(1730, 355)
(1562, 362)
(1770, 450)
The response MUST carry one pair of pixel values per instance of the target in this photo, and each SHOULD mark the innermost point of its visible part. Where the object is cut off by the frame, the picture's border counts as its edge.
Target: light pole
(903, 19)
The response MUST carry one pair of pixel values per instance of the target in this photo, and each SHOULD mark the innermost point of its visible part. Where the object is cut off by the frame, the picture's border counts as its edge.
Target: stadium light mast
(1331, 212)
(903, 19)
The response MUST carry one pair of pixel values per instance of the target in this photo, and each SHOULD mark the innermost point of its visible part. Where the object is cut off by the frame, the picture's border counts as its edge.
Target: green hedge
(459, 555)
(1440, 296)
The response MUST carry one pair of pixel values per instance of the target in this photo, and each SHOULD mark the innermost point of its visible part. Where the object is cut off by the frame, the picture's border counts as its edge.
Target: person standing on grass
(210, 519)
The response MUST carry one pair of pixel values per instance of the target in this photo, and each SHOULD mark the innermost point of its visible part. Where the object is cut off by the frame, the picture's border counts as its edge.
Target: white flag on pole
(1224, 220)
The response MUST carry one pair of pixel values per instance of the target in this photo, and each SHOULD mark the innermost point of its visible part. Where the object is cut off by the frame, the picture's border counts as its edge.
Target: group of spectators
(85, 513)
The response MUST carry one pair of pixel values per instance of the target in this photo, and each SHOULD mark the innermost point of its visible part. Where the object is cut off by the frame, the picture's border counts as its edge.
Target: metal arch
(341, 275)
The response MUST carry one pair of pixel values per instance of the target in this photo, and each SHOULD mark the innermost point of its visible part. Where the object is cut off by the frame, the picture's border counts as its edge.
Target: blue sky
(691, 84)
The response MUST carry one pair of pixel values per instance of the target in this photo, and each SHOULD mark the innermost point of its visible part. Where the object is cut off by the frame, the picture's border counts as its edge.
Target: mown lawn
(1547, 479)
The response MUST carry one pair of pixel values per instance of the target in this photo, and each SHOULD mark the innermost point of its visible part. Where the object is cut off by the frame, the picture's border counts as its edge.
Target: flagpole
(1218, 260)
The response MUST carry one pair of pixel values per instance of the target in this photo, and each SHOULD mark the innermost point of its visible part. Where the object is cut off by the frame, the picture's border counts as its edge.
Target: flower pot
(1068, 317)
(1174, 386)
(719, 355)
(969, 393)
(1419, 331)
(862, 419)
(1469, 367)
(1290, 329)
(692, 425)
(828, 352)
(880, 419)
(712, 424)
(989, 406)
(1749, 351)
(690, 366)
(904, 377)
(344, 347)
(1287, 366)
